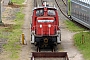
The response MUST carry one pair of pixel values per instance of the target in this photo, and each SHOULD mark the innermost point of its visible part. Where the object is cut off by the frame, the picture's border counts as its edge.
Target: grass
(81, 39)
(12, 34)
(13, 45)
(72, 26)
(85, 47)
(18, 1)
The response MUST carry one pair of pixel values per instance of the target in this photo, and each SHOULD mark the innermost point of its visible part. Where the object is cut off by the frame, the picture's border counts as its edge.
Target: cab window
(51, 12)
(40, 12)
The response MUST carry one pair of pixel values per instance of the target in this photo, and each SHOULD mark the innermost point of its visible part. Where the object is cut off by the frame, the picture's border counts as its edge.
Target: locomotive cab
(45, 27)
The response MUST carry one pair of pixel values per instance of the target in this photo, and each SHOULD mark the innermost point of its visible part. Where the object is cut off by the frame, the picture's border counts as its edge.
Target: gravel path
(68, 45)
(26, 49)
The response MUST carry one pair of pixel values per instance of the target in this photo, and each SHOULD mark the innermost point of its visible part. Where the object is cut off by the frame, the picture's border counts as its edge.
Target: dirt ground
(66, 37)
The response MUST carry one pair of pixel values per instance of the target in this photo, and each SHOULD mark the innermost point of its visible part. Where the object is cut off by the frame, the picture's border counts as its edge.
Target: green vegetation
(81, 39)
(13, 45)
(11, 34)
(85, 46)
(18, 1)
(72, 26)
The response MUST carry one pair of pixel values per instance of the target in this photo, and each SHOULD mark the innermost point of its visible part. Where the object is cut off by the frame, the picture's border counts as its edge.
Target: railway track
(62, 10)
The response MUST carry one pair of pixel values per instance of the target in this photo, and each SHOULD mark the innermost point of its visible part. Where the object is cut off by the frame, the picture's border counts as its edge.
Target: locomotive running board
(62, 55)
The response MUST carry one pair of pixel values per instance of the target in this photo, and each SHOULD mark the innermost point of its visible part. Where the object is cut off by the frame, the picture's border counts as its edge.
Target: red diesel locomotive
(45, 30)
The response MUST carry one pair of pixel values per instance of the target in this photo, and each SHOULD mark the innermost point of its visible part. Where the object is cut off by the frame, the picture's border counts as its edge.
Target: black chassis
(46, 41)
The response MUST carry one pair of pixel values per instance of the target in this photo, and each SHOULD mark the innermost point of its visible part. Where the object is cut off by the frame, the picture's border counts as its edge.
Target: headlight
(49, 25)
(40, 26)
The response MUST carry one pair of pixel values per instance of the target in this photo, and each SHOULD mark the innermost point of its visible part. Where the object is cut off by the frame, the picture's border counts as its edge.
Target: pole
(0, 12)
(83, 41)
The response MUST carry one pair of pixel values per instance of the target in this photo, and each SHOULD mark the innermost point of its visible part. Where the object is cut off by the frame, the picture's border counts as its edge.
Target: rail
(64, 3)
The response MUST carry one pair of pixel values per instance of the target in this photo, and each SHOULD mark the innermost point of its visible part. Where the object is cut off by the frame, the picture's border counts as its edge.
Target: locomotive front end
(45, 30)
(45, 33)
(45, 26)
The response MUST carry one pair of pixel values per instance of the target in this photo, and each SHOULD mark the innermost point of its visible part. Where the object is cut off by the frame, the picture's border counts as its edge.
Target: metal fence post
(83, 41)
(23, 39)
